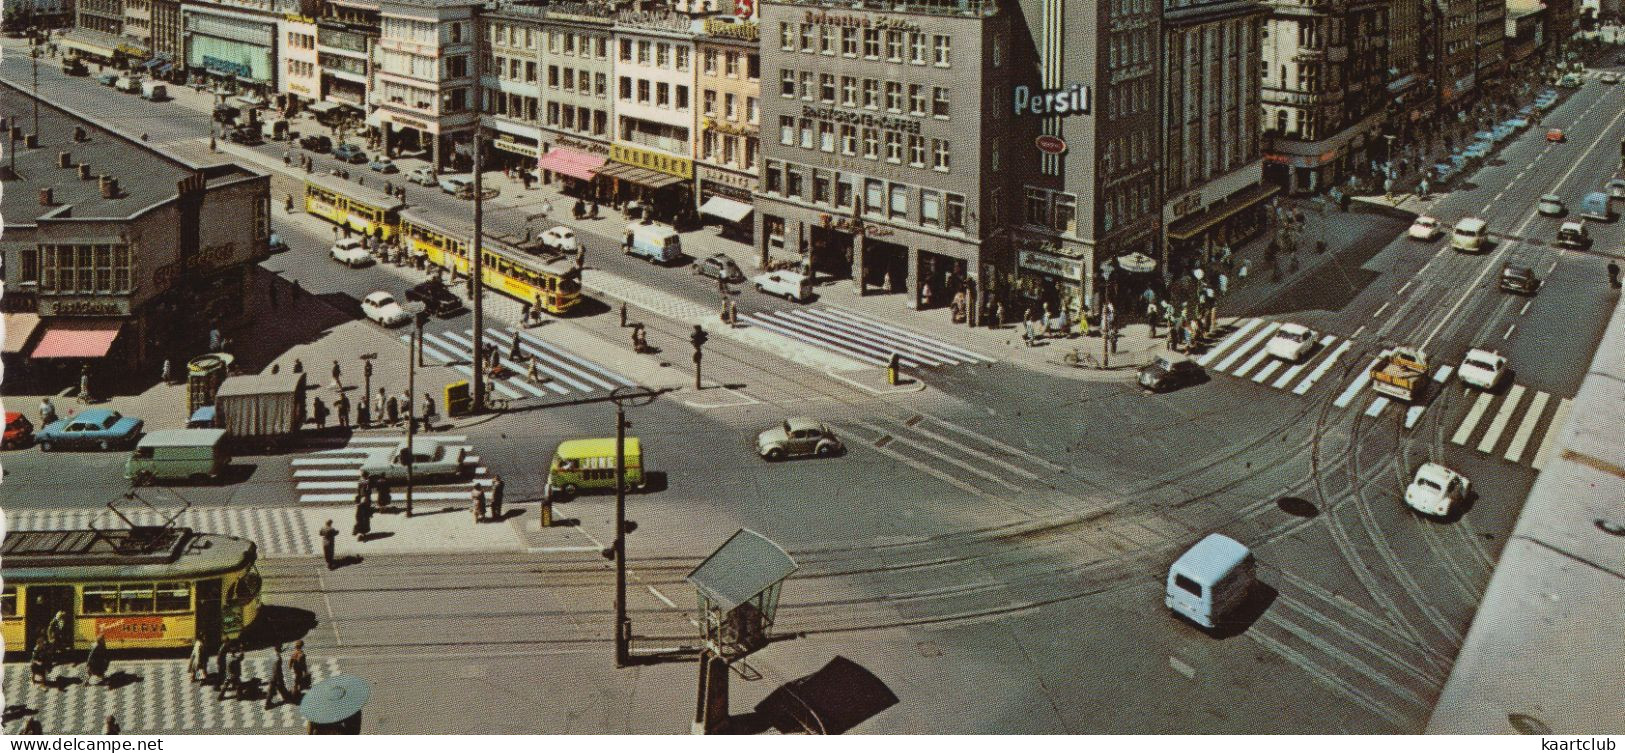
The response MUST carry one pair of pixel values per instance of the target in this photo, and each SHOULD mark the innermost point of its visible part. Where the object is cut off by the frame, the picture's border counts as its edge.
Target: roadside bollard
(892, 367)
(547, 513)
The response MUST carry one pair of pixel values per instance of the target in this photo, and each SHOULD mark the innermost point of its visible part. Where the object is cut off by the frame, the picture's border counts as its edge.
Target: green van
(178, 455)
(590, 464)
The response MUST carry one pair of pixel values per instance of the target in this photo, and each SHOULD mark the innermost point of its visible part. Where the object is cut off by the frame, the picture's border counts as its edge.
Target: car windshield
(1296, 337)
(382, 301)
(1427, 222)
(1479, 364)
(1428, 483)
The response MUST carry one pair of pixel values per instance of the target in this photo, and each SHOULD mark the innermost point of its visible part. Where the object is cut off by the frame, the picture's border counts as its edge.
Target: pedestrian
(300, 669)
(167, 375)
(320, 412)
(56, 633)
(234, 671)
(383, 494)
(428, 410)
(524, 313)
(626, 245)
(198, 662)
(111, 726)
(496, 497)
(277, 688)
(298, 366)
(363, 517)
(47, 413)
(343, 406)
(84, 384)
(998, 315)
(478, 497)
(338, 383)
(393, 409)
(330, 537)
(39, 664)
(623, 313)
(363, 416)
(1027, 332)
(221, 657)
(96, 662)
(513, 348)
(363, 488)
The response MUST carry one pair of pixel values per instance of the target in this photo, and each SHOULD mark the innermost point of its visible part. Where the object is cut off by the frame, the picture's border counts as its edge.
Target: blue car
(350, 153)
(99, 428)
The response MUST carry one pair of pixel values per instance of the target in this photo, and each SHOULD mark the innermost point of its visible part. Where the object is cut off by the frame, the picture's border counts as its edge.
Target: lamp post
(623, 397)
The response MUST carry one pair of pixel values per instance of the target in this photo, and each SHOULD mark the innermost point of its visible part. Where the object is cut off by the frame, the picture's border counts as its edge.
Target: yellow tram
(364, 210)
(141, 588)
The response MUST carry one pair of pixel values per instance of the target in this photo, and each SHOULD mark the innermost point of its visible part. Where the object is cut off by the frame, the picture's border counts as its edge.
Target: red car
(1555, 135)
(19, 431)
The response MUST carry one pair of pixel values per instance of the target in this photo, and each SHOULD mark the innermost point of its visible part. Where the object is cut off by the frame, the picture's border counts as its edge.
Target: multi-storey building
(99, 35)
(236, 43)
(510, 84)
(1458, 66)
(1325, 90)
(1490, 43)
(346, 31)
(886, 122)
(729, 153)
(1212, 158)
(21, 15)
(651, 158)
(168, 41)
(423, 84)
(578, 95)
(298, 63)
(1525, 34)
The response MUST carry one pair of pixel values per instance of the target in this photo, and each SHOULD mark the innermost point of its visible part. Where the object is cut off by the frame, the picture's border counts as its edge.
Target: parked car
(1436, 490)
(1573, 235)
(720, 267)
(1609, 77)
(1616, 188)
(224, 113)
(1502, 131)
(276, 245)
(560, 238)
(1425, 228)
(98, 427)
(316, 143)
(436, 297)
(382, 308)
(1550, 205)
(19, 431)
(1169, 371)
(1570, 81)
(351, 252)
(1518, 279)
(1521, 121)
(246, 135)
(1556, 136)
(1292, 342)
(797, 436)
(1487, 137)
(1482, 368)
(453, 183)
(1477, 150)
(349, 153)
(107, 79)
(431, 459)
(383, 165)
(423, 176)
(74, 67)
(792, 286)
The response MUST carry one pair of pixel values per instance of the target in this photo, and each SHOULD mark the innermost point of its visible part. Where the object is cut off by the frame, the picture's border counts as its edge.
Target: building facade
(346, 31)
(651, 157)
(298, 64)
(578, 96)
(424, 85)
(878, 162)
(22, 15)
(728, 157)
(510, 84)
(233, 47)
(1325, 94)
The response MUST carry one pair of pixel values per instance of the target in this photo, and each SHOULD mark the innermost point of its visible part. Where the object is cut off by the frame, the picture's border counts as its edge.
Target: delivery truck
(261, 411)
(1400, 372)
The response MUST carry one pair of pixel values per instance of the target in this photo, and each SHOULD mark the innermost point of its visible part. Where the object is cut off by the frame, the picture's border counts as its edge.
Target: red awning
(571, 162)
(78, 338)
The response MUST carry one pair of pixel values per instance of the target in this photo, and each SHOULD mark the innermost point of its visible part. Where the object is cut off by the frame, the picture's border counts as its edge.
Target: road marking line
(1564, 407)
(1181, 667)
(1502, 418)
(1376, 406)
(1251, 343)
(1320, 371)
(1357, 333)
(959, 463)
(994, 442)
(327, 461)
(1525, 309)
(1509, 331)
(1526, 428)
(941, 346)
(1407, 286)
(417, 496)
(1380, 309)
(1251, 363)
(344, 473)
(1269, 368)
(834, 327)
(1297, 368)
(1415, 412)
(1355, 386)
(1475, 415)
(997, 462)
(1229, 340)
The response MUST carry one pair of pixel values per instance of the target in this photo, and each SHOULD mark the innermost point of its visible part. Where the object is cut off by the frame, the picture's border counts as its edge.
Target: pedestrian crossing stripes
(1244, 353)
(278, 531)
(560, 373)
(330, 476)
(860, 337)
(151, 697)
(1502, 411)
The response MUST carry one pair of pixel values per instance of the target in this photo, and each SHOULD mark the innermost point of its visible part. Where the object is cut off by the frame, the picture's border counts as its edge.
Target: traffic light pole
(623, 624)
(698, 341)
(411, 413)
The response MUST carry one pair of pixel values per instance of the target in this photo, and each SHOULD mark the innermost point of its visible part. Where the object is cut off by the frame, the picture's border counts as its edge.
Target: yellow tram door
(43, 604)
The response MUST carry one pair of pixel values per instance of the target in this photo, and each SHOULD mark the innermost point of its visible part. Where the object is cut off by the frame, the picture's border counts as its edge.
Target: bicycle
(1078, 358)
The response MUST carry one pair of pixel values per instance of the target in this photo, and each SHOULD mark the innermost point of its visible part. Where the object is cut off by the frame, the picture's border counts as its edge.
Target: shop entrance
(830, 251)
(940, 278)
(885, 265)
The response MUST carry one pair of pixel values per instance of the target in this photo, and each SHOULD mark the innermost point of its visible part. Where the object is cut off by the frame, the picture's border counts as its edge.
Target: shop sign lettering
(1188, 203)
(214, 257)
(861, 22)
(126, 628)
(585, 146)
(409, 123)
(1051, 265)
(867, 120)
(1070, 100)
(85, 307)
(660, 163)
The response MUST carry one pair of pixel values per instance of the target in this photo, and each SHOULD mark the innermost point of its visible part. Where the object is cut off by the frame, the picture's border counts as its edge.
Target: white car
(381, 307)
(1550, 205)
(560, 238)
(351, 252)
(1436, 490)
(423, 176)
(1292, 342)
(1482, 368)
(791, 285)
(1425, 228)
(1609, 78)
(453, 184)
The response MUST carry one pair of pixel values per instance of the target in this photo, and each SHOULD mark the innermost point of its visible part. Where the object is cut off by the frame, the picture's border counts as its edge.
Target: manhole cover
(1297, 507)
(1528, 725)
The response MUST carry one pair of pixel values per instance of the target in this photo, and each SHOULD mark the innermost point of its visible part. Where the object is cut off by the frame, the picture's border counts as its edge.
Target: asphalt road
(992, 548)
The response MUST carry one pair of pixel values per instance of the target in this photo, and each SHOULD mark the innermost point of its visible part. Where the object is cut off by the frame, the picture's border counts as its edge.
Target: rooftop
(145, 176)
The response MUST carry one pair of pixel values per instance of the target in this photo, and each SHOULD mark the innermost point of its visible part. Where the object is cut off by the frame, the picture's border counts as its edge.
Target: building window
(894, 147)
(681, 57)
(626, 87)
(792, 182)
(787, 36)
(849, 140)
(807, 37)
(916, 150)
(751, 113)
(643, 52)
(708, 103)
(826, 87)
(753, 66)
(874, 197)
(1038, 207)
(955, 218)
(899, 201)
(682, 96)
(569, 44)
(663, 55)
(939, 155)
(916, 48)
(643, 91)
(849, 41)
(626, 50)
(662, 94)
(871, 143)
(805, 85)
(940, 45)
(787, 83)
(708, 62)
(916, 99)
(930, 208)
(894, 46)
(939, 101)
(708, 146)
(826, 41)
(871, 44)
(849, 91)
(731, 64)
(730, 109)
(750, 154)
(730, 145)
(845, 187)
(871, 93)
(774, 177)
(787, 130)
(806, 133)
(552, 113)
(1066, 213)
(826, 136)
(552, 77)
(600, 84)
(820, 187)
(894, 96)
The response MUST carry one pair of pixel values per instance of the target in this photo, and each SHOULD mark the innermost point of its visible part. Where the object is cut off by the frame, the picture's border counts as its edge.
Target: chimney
(79, 134)
(64, 159)
(84, 171)
(109, 185)
(45, 197)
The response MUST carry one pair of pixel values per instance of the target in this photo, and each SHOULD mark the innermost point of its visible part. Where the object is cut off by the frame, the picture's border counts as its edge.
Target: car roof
(379, 295)
(1435, 472)
(12, 415)
(94, 415)
(1573, 226)
(1427, 218)
(1471, 222)
(1292, 328)
(183, 438)
(1211, 559)
(1485, 352)
(1551, 197)
(1516, 269)
(590, 448)
(797, 423)
(348, 242)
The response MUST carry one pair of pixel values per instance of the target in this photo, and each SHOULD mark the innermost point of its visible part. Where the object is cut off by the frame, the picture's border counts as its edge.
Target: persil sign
(1071, 100)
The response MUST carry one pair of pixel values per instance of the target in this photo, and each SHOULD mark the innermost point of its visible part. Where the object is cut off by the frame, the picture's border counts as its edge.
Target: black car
(247, 135)
(436, 297)
(1516, 279)
(1168, 372)
(720, 267)
(226, 114)
(316, 143)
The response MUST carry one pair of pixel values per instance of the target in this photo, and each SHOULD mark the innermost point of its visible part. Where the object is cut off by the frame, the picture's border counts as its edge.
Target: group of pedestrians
(227, 676)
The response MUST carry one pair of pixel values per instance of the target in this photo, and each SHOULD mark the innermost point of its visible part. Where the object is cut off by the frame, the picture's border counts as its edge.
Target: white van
(657, 243)
(1210, 579)
(154, 91)
(793, 286)
(1469, 235)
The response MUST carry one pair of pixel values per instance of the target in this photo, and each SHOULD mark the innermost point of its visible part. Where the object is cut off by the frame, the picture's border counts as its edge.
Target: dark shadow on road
(831, 701)
(1297, 507)
(1259, 599)
(278, 624)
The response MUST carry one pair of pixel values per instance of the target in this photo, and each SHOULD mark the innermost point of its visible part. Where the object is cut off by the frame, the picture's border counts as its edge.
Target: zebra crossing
(1245, 349)
(330, 476)
(160, 698)
(862, 338)
(1514, 425)
(565, 374)
(279, 531)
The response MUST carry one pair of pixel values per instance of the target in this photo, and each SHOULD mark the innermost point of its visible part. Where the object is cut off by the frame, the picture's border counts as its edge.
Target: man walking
(338, 383)
(478, 497)
(97, 662)
(363, 517)
(344, 410)
(300, 670)
(496, 497)
(47, 413)
(319, 411)
(392, 409)
(330, 537)
(276, 687)
(198, 664)
(428, 411)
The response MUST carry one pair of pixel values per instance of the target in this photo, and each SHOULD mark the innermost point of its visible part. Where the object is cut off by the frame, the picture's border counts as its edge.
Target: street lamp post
(635, 397)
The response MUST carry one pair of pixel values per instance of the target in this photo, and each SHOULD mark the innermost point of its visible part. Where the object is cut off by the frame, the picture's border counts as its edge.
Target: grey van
(1210, 580)
(178, 455)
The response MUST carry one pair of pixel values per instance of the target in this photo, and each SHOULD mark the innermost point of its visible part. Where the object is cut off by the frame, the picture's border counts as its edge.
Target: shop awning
(1186, 228)
(726, 208)
(578, 165)
(323, 107)
(86, 46)
(639, 175)
(19, 328)
(78, 338)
